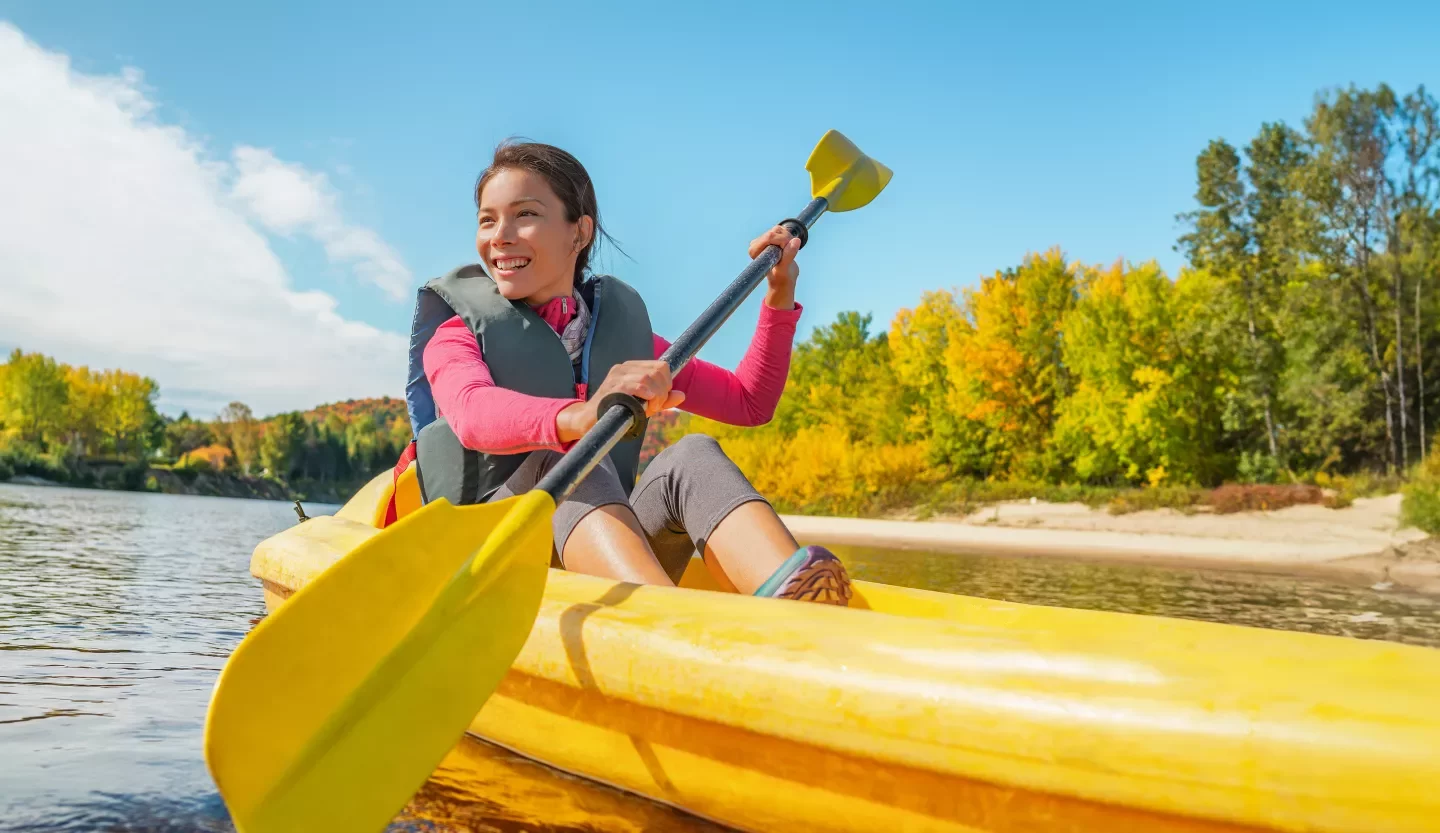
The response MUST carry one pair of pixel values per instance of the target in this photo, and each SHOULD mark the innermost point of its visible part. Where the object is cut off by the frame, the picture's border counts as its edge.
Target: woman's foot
(812, 574)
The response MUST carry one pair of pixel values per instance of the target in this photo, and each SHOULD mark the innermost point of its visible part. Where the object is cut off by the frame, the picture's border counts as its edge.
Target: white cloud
(287, 198)
(124, 244)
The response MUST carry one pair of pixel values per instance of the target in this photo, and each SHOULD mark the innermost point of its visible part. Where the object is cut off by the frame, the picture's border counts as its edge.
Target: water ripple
(1265, 601)
(118, 610)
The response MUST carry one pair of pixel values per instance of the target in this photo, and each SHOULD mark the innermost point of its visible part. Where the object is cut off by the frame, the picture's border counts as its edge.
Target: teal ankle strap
(777, 579)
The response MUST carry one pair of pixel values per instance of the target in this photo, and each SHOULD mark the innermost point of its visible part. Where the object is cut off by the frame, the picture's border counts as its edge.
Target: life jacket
(524, 354)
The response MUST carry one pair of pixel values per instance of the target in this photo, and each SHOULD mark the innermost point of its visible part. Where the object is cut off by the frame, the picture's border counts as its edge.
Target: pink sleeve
(749, 395)
(484, 416)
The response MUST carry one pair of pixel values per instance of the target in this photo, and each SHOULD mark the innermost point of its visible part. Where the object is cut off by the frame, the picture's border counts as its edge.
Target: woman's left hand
(781, 294)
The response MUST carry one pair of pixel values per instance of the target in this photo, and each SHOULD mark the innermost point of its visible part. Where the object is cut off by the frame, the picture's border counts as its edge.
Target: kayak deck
(924, 710)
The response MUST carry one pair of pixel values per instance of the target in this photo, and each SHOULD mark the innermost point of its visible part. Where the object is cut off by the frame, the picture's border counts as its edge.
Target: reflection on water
(118, 610)
(480, 786)
(1242, 599)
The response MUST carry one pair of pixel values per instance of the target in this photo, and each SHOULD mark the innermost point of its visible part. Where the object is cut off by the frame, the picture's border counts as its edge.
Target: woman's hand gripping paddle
(339, 705)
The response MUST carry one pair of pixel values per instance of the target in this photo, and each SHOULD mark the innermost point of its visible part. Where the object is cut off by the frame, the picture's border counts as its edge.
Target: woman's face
(523, 238)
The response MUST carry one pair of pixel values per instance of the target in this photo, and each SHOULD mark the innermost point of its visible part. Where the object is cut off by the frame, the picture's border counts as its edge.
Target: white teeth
(512, 263)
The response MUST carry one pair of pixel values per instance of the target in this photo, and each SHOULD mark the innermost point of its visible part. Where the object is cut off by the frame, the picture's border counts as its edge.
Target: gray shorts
(679, 499)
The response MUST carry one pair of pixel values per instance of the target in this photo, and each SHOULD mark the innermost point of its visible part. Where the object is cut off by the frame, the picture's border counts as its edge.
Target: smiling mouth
(511, 264)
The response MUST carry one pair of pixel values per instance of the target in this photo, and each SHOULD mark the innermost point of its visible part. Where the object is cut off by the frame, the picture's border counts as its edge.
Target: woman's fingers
(777, 236)
(647, 381)
(758, 244)
(672, 400)
(642, 379)
(656, 380)
(787, 255)
(768, 238)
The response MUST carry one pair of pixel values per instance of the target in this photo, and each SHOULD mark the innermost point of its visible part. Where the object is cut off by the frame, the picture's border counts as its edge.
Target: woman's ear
(585, 230)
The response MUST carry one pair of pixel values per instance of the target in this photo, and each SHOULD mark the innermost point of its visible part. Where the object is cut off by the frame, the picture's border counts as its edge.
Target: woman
(506, 405)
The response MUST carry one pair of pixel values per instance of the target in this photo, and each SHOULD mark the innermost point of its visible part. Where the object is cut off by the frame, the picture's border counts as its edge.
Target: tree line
(1298, 341)
(62, 421)
(48, 407)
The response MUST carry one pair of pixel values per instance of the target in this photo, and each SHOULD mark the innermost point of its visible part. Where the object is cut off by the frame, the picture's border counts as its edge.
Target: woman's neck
(550, 293)
(557, 312)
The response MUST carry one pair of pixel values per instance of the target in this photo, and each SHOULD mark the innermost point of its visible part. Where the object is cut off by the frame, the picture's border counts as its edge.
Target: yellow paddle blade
(845, 177)
(334, 710)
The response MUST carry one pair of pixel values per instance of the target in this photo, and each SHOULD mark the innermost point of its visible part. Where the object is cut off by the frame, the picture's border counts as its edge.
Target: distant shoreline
(1360, 544)
(1363, 543)
(205, 484)
(31, 480)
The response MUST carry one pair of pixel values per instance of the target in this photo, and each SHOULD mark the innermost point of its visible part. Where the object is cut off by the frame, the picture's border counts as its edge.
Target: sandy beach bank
(1364, 542)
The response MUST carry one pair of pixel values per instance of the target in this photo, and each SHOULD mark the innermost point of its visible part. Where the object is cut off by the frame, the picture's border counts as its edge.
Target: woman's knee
(700, 442)
(538, 463)
(602, 484)
(695, 465)
(542, 460)
(690, 450)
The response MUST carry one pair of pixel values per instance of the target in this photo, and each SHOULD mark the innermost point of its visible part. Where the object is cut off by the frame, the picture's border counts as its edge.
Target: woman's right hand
(646, 380)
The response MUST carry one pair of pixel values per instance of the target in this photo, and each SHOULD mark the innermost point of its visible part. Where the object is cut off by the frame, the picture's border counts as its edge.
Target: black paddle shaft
(622, 415)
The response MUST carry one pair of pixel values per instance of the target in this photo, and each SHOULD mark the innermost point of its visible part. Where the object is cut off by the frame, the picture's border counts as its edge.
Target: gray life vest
(523, 354)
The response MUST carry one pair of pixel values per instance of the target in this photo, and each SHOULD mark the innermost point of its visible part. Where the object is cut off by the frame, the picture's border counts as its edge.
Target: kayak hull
(927, 711)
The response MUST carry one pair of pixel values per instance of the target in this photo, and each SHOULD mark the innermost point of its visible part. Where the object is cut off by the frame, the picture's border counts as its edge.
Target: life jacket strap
(407, 457)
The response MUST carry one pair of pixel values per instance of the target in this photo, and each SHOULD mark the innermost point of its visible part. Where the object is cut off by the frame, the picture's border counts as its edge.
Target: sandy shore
(1362, 543)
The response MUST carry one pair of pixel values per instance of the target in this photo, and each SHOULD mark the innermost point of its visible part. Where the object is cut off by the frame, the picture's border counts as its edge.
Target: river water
(117, 611)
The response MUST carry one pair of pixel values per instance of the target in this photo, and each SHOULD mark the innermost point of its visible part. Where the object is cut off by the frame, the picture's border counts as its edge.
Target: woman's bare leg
(610, 543)
(748, 547)
(595, 527)
(692, 492)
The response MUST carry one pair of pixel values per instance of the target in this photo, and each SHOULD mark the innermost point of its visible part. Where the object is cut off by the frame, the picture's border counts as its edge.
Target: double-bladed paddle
(339, 705)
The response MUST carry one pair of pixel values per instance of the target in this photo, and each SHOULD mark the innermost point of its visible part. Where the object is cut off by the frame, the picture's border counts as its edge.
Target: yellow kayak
(915, 710)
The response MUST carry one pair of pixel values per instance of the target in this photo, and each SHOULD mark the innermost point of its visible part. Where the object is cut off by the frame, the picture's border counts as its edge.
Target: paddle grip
(798, 229)
(689, 342)
(632, 404)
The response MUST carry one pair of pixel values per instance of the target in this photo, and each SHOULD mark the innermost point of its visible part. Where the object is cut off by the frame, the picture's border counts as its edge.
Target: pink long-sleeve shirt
(496, 420)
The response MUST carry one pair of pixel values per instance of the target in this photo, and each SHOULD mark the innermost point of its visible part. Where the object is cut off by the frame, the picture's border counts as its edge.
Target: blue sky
(1010, 129)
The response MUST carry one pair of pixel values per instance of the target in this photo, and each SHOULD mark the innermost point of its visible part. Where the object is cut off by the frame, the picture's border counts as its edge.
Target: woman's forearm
(748, 395)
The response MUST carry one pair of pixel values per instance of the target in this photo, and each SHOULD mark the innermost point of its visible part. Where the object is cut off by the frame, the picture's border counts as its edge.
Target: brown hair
(567, 178)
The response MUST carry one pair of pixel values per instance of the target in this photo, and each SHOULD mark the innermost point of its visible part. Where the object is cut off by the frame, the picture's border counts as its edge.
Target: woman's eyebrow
(513, 203)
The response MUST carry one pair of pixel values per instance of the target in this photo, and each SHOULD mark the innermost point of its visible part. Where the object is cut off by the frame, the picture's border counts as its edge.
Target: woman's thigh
(683, 494)
(601, 487)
